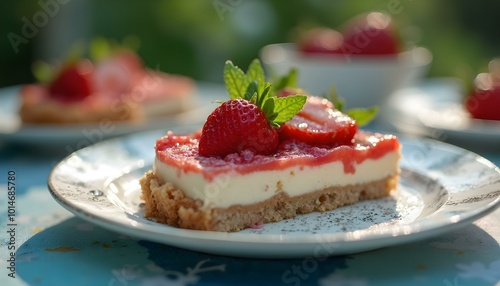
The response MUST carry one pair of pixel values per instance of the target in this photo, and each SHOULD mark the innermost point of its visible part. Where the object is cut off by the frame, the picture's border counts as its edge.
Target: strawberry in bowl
(484, 100)
(366, 34)
(364, 59)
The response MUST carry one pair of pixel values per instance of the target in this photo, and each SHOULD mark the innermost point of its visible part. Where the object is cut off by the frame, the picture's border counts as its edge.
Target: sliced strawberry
(73, 83)
(318, 123)
(235, 126)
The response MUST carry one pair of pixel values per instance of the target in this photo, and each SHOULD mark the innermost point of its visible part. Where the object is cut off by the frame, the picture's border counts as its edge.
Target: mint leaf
(362, 115)
(235, 80)
(252, 90)
(238, 82)
(335, 99)
(255, 72)
(264, 96)
(99, 49)
(268, 109)
(253, 87)
(42, 71)
(289, 80)
(287, 107)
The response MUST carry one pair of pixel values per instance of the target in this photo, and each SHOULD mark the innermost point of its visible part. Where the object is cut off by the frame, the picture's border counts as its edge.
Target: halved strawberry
(73, 83)
(319, 123)
(237, 125)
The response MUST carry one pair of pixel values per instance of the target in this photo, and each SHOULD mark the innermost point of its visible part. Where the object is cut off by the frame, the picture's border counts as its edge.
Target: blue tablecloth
(53, 247)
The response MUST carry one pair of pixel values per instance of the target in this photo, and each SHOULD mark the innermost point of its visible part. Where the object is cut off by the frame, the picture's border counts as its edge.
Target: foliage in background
(196, 37)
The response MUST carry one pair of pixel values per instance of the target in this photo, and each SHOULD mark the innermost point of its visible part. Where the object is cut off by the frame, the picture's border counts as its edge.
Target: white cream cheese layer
(232, 188)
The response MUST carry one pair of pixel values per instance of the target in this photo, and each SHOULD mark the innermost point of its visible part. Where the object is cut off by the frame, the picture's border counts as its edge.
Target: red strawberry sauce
(182, 153)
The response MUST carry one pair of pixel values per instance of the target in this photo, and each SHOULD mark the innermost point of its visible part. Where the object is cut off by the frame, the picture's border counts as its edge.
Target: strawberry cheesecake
(256, 162)
(117, 88)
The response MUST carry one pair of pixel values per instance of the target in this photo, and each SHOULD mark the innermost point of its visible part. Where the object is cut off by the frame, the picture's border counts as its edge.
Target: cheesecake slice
(266, 155)
(119, 88)
(187, 190)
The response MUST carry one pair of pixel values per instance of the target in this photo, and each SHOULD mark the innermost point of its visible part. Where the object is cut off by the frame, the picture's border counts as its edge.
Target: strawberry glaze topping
(182, 153)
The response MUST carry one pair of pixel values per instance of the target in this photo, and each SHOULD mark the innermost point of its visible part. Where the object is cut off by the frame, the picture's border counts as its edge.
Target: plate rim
(435, 103)
(148, 232)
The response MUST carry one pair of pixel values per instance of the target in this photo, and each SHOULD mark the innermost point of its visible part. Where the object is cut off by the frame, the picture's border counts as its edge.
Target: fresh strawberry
(73, 83)
(319, 123)
(235, 126)
(370, 34)
(484, 101)
(321, 40)
(249, 121)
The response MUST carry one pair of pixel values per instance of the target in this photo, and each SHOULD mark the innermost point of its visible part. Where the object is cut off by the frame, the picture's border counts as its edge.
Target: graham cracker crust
(169, 205)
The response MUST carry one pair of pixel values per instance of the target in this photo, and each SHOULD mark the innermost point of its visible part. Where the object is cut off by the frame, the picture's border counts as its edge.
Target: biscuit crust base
(54, 112)
(169, 205)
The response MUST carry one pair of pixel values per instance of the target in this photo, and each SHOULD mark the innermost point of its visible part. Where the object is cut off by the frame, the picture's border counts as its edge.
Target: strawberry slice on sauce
(319, 123)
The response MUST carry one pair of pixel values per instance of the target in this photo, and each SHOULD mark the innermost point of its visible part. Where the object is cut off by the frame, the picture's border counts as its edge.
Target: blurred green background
(194, 38)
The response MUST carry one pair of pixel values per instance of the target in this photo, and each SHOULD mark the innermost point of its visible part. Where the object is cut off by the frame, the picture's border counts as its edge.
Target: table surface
(54, 247)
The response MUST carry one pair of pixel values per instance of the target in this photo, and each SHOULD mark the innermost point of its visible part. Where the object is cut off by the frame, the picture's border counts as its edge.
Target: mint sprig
(363, 116)
(253, 87)
(287, 107)
(42, 71)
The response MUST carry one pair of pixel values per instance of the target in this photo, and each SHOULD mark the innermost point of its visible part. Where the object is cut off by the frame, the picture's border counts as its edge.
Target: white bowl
(361, 80)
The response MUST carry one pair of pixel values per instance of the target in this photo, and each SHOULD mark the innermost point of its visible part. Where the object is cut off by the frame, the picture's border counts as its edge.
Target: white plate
(442, 187)
(12, 130)
(435, 108)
